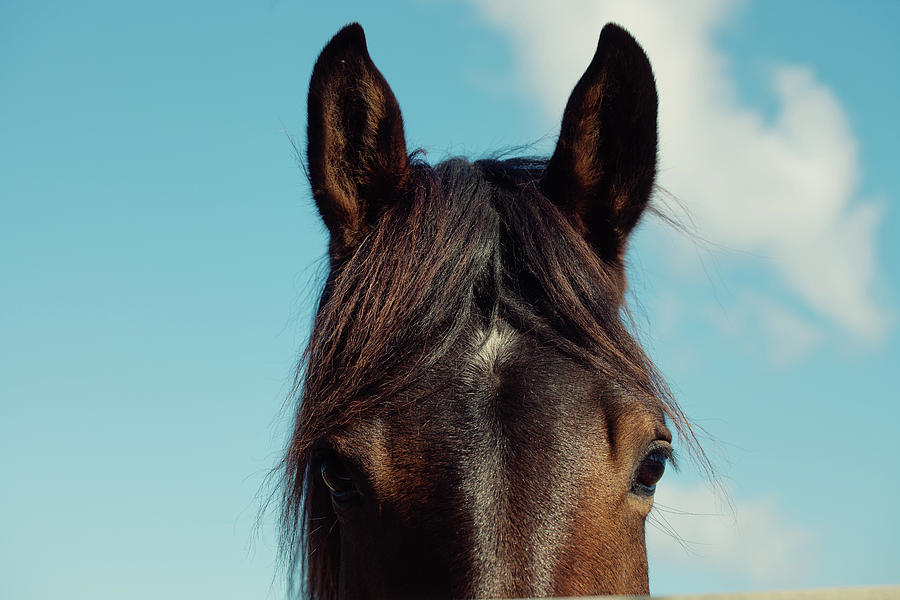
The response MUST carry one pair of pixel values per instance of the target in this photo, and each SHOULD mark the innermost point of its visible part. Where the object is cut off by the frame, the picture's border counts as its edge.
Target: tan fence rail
(858, 593)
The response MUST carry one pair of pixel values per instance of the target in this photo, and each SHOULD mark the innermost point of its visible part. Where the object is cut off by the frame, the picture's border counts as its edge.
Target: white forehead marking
(494, 347)
(498, 563)
(486, 482)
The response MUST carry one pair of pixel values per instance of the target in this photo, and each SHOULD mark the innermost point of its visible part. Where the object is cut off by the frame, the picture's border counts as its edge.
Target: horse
(475, 417)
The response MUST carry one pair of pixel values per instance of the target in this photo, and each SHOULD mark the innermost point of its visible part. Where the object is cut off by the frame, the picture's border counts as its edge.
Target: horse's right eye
(338, 479)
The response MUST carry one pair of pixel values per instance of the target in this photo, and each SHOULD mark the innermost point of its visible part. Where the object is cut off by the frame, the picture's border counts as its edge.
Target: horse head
(475, 417)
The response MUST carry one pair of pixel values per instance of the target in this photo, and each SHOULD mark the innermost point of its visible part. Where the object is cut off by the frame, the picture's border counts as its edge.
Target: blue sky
(159, 257)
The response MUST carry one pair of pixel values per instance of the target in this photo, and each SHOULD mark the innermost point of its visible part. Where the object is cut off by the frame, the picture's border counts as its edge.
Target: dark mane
(466, 244)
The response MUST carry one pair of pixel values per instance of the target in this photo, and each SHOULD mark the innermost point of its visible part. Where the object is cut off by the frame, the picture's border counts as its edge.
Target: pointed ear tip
(616, 40)
(615, 34)
(352, 32)
(351, 38)
(611, 30)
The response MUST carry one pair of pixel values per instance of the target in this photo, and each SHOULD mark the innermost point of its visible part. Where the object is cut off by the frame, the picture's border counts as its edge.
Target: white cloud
(692, 527)
(782, 190)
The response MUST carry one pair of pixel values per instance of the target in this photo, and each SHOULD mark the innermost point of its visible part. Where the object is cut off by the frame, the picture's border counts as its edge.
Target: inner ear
(601, 173)
(357, 151)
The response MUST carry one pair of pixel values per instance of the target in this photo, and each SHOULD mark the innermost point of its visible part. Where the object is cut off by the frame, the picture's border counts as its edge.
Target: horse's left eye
(649, 472)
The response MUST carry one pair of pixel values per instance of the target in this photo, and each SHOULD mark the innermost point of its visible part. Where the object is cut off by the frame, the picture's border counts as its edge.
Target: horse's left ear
(601, 173)
(356, 147)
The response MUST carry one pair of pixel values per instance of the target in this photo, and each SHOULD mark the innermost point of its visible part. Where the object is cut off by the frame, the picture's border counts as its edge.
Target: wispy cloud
(782, 189)
(753, 319)
(693, 527)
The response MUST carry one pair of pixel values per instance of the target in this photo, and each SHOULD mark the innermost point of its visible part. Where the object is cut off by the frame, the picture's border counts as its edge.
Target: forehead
(478, 306)
(505, 389)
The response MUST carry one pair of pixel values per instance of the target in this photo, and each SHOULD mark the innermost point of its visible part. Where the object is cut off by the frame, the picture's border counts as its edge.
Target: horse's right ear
(356, 148)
